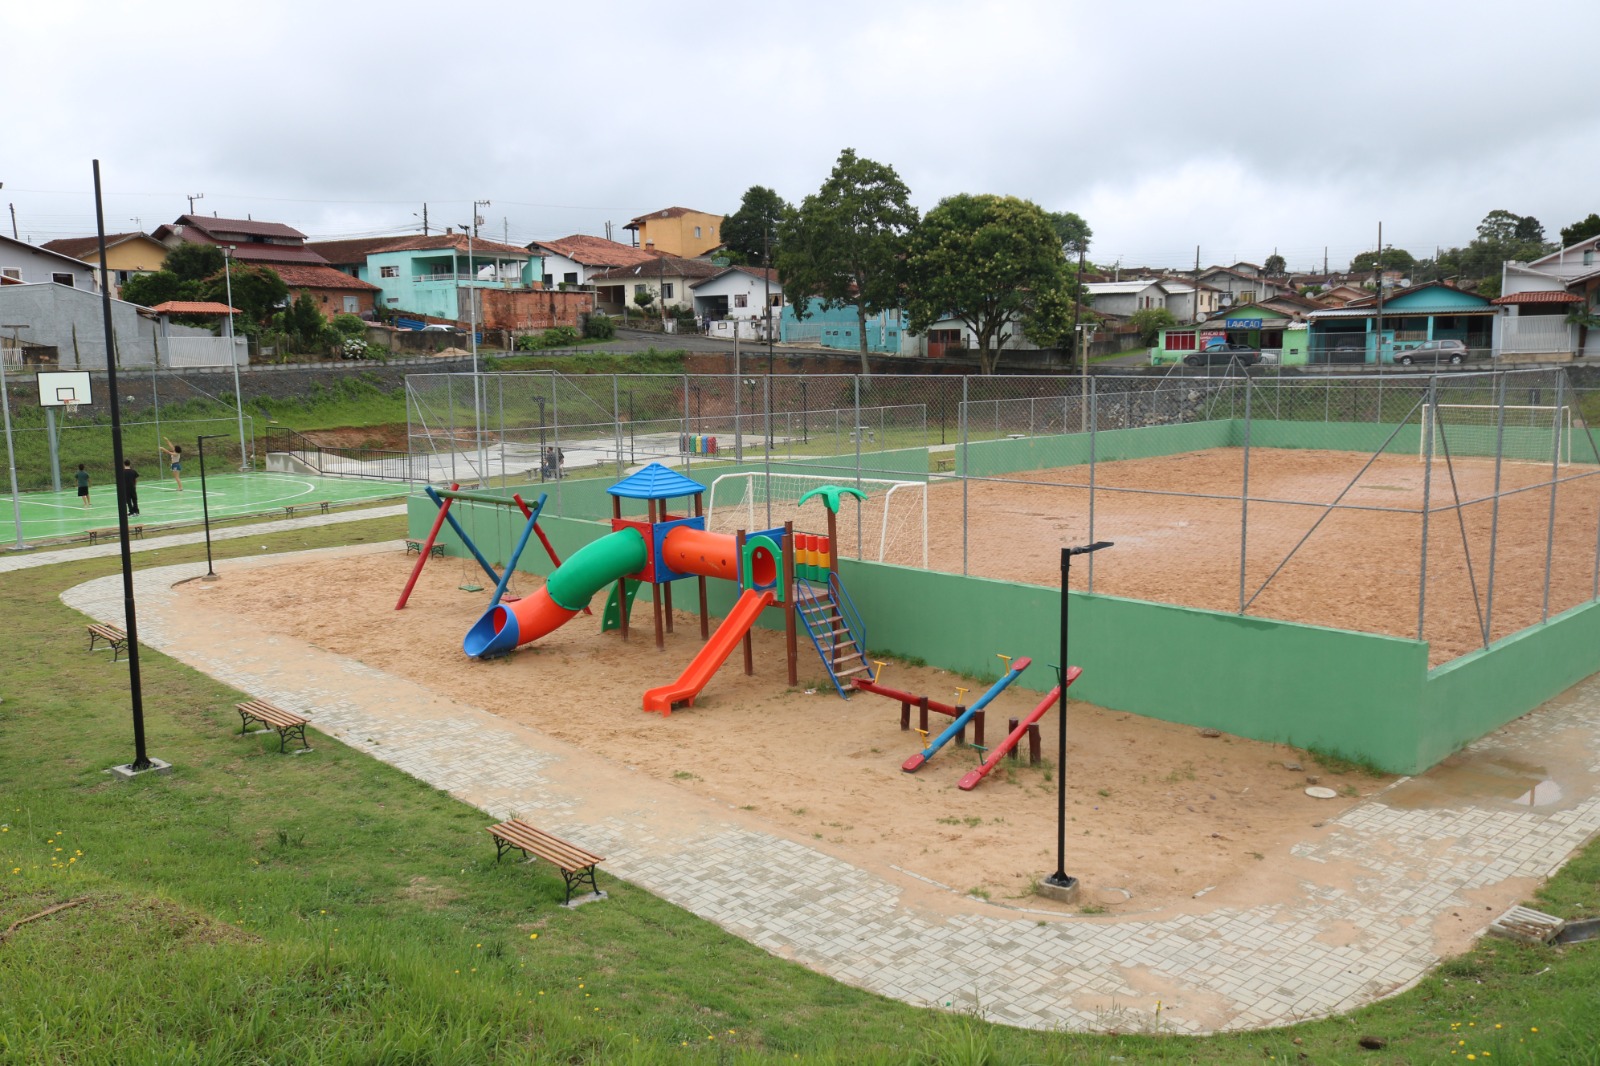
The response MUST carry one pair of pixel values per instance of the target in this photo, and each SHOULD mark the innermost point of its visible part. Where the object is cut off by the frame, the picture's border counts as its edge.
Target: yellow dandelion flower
(1533, 1029)
(322, 912)
(541, 991)
(1497, 1025)
(1471, 1057)
(477, 945)
(533, 936)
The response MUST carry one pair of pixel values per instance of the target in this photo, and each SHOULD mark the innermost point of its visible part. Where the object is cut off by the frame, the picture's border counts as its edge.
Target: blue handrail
(852, 618)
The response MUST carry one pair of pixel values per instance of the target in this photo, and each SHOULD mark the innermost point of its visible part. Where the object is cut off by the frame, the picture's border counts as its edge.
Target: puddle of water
(1466, 779)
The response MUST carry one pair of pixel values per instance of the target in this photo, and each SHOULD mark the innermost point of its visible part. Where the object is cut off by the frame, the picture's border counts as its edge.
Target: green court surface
(59, 515)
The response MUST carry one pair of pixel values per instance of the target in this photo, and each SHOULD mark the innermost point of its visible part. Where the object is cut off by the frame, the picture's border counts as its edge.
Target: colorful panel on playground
(658, 562)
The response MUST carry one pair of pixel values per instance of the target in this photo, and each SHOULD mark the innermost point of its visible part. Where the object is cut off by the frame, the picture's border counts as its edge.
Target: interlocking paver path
(1366, 904)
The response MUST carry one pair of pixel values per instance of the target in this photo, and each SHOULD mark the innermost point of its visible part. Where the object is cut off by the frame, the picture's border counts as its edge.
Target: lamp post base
(1063, 889)
(126, 772)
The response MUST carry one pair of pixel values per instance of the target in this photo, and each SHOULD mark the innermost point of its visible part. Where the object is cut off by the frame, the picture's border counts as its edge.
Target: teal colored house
(427, 275)
(838, 327)
(1435, 311)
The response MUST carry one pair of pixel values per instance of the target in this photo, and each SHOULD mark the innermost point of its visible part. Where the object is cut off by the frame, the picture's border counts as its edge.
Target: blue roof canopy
(656, 482)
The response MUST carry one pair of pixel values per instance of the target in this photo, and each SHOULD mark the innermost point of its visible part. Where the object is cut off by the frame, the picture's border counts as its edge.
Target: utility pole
(477, 219)
(1195, 315)
(193, 198)
(766, 290)
(1377, 268)
(424, 220)
(13, 221)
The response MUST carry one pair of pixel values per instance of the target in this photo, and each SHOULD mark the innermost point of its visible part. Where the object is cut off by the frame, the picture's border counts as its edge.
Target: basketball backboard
(63, 388)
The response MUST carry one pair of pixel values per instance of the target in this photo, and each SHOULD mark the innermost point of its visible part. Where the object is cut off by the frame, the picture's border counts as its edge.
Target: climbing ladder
(835, 629)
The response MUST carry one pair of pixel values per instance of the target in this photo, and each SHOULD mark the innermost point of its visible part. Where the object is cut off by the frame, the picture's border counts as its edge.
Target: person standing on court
(83, 484)
(175, 453)
(130, 486)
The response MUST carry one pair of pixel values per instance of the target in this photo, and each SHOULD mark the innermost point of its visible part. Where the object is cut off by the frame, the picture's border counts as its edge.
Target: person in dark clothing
(130, 486)
(83, 484)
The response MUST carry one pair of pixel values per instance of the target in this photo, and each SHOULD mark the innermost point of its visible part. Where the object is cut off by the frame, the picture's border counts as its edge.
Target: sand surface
(1156, 812)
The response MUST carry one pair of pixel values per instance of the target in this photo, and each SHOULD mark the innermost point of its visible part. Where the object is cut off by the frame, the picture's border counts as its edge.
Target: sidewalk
(1364, 907)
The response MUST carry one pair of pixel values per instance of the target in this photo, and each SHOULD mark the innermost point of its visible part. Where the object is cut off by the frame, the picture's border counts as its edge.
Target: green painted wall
(1296, 346)
(1467, 697)
(995, 457)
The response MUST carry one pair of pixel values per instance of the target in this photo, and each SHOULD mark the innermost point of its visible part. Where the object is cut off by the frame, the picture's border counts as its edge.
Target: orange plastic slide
(696, 675)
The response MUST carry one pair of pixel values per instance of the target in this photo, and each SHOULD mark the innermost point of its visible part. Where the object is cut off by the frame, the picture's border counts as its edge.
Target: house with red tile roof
(666, 278)
(1539, 295)
(127, 254)
(572, 261)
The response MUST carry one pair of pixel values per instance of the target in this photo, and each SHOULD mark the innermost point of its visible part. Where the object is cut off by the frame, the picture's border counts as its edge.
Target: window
(388, 272)
(569, 278)
(666, 290)
(640, 290)
(12, 272)
(394, 299)
(352, 305)
(777, 299)
(1588, 258)
(1248, 296)
(62, 279)
(741, 300)
(697, 233)
(1180, 340)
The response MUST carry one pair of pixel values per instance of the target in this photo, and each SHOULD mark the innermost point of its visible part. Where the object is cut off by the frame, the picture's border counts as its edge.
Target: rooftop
(656, 482)
(595, 251)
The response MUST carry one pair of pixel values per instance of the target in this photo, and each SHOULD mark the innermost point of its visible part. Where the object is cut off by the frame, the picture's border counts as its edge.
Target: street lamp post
(805, 415)
(1061, 885)
(205, 506)
(233, 355)
(543, 466)
(630, 426)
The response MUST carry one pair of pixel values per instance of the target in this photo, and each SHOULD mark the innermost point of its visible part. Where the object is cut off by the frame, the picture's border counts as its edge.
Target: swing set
(443, 498)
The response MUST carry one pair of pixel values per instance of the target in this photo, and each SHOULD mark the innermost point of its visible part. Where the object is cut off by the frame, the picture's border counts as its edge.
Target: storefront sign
(1243, 323)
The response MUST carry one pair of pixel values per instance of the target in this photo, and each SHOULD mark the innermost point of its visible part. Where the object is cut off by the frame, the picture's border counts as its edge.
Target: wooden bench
(321, 505)
(414, 547)
(115, 638)
(97, 535)
(946, 463)
(287, 723)
(576, 865)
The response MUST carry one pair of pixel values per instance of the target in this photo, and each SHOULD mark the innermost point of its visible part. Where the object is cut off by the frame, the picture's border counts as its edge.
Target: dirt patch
(1156, 811)
(388, 437)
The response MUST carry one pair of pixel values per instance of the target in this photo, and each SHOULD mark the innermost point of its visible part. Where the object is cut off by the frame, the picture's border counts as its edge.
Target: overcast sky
(1166, 125)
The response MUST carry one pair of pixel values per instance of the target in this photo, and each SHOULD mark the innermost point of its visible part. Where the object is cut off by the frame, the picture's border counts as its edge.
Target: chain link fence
(1455, 508)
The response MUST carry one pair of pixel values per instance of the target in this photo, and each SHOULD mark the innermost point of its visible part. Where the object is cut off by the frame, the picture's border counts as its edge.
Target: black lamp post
(542, 464)
(205, 506)
(1060, 883)
(805, 415)
(630, 425)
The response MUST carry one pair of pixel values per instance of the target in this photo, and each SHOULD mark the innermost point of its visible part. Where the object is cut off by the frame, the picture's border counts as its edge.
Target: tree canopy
(994, 262)
(756, 221)
(1393, 259)
(258, 291)
(1073, 232)
(193, 262)
(1580, 230)
(1275, 266)
(844, 244)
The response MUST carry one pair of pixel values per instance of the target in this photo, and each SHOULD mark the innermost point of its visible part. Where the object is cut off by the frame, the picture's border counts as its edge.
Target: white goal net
(890, 526)
(1533, 433)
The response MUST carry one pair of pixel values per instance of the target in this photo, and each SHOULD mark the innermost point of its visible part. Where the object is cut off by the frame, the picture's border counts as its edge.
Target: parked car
(1453, 352)
(1223, 353)
(441, 327)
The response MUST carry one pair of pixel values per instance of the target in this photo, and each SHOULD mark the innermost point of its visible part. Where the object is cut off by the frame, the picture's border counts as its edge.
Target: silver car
(1453, 352)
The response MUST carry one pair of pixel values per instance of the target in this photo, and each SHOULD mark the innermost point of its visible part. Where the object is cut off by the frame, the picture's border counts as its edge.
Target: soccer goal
(1532, 433)
(890, 526)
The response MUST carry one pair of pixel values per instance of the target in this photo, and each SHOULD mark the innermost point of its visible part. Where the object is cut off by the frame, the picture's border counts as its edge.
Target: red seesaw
(924, 704)
(1001, 750)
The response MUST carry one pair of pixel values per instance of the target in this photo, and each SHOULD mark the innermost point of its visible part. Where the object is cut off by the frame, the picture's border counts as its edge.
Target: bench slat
(525, 837)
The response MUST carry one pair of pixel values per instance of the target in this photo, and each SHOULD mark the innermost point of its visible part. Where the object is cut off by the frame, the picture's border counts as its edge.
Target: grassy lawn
(253, 907)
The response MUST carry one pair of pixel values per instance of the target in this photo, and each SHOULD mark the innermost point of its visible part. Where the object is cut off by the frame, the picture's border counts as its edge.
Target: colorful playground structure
(795, 573)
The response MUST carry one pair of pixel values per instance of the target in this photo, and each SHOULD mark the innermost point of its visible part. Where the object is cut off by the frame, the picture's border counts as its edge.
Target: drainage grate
(1527, 925)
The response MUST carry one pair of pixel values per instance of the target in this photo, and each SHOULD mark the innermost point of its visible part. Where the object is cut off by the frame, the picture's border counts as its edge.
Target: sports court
(61, 515)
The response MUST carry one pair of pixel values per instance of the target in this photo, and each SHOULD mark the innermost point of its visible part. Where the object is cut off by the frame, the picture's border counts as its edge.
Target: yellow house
(127, 254)
(678, 231)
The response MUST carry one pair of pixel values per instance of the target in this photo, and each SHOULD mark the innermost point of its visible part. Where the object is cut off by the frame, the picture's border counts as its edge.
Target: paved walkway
(1362, 908)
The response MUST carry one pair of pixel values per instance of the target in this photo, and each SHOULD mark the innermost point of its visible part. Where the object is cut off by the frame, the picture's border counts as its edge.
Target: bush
(1150, 321)
(349, 325)
(554, 337)
(600, 327)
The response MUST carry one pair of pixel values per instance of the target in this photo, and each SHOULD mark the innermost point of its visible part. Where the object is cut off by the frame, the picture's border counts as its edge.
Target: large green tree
(1580, 230)
(193, 262)
(257, 291)
(1275, 266)
(154, 288)
(844, 245)
(1502, 235)
(752, 231)
(994, 262)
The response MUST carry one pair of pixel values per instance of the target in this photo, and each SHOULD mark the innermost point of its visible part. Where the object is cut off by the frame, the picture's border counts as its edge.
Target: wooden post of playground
(705, 610)
(786, 579)
(749, 642)
(833, 543)
(622, 582)
(655, 586)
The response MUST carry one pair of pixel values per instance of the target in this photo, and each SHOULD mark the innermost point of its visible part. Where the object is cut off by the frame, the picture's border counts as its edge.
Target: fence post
(1494, 508)
(966, 472)
(1244, 495)
(855, 431)
(450, 406)
(555, 438)
(1090, 404)
(1555, 479)
(766, 452)
(616, 419)
(687, 430)
(1430, 417)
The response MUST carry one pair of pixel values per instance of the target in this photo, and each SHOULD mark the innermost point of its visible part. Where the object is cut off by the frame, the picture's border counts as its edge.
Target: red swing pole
(427, 547)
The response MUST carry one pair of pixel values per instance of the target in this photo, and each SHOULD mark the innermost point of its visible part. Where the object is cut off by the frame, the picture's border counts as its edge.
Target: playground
(811, 766)
(61, 515)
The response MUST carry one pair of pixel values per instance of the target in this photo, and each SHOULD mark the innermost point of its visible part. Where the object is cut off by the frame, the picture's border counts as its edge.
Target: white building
(1538, 296)
(1123, 298)
(22, 263)
(742, 292)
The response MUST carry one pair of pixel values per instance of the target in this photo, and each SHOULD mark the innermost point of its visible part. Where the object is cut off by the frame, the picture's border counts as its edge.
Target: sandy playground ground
(1157, 812)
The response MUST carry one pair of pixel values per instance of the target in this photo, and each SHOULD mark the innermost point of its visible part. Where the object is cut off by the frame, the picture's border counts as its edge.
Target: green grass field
(259, 908)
